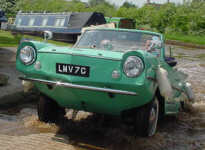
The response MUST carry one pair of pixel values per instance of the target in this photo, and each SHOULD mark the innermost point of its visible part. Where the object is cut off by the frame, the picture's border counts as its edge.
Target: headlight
(27, 55)
(133, 66)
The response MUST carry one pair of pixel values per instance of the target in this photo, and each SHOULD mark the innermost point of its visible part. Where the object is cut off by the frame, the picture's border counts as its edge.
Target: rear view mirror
(47, 35)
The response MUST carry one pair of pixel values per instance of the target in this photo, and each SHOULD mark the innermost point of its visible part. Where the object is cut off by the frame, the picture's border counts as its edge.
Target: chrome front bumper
(70, 85)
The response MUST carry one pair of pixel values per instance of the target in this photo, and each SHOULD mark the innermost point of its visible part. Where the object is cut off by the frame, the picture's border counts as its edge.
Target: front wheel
(146, 119)
(49, 110)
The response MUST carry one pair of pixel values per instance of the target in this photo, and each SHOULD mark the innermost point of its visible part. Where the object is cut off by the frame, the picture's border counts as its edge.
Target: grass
(9, 40)
(201, 56)
(200, 40)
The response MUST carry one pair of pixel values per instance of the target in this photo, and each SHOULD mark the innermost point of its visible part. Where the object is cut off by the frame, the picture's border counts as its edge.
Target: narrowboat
(65, 26)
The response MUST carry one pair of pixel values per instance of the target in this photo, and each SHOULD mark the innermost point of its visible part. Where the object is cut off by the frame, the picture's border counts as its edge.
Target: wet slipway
(21, 130)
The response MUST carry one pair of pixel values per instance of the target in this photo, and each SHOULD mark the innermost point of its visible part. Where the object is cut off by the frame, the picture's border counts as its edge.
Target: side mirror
(171, 61)
(47, 35)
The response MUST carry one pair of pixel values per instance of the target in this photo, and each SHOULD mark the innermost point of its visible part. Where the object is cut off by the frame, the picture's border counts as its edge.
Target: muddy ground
(21, 130)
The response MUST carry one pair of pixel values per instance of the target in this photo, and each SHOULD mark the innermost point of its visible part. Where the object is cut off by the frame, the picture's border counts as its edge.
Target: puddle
(33, 122)
(11, 125)
(194, 65)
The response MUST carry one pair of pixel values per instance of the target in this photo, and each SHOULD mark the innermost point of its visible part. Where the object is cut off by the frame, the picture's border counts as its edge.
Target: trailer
(121, 22)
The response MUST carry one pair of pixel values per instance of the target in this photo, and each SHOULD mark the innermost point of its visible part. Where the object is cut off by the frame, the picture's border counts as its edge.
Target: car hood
(106, 54)
(102, 63)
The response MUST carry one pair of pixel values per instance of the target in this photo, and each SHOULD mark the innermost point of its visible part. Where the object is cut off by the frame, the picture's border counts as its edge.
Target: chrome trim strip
(70, 85)
(114, 59)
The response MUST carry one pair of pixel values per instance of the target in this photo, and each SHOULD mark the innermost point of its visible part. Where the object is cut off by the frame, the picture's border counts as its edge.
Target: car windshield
(119, 40)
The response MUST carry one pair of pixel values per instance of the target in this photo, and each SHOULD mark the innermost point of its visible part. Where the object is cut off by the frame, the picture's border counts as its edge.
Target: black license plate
(75, 70)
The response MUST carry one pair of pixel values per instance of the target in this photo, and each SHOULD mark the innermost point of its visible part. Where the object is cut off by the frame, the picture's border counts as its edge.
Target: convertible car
(122, 72)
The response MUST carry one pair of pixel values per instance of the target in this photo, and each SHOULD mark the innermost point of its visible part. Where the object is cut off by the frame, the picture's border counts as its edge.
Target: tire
(48, 110)
(146, 119)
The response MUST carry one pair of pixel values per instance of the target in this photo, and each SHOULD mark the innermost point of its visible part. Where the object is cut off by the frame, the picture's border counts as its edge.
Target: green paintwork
(101, 63)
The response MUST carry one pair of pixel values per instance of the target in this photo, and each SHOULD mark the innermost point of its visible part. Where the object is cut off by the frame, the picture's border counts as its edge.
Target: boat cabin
(65, 26)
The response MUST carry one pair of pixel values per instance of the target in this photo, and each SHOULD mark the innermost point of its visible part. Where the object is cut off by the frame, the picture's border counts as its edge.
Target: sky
(139, 3)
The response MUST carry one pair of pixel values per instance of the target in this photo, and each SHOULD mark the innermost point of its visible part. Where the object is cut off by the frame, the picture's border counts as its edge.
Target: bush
(187, 19)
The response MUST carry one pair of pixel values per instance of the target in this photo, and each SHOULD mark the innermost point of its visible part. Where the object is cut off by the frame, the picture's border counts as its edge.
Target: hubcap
(153, 118)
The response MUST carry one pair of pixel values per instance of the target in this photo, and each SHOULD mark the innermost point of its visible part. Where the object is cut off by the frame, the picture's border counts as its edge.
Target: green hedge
(187, 19)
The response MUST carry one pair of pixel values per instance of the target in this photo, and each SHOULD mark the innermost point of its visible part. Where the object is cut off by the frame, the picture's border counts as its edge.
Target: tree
(128, 5)
(9, 7)
(198, 0)
(95, 2)
(42, 5)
